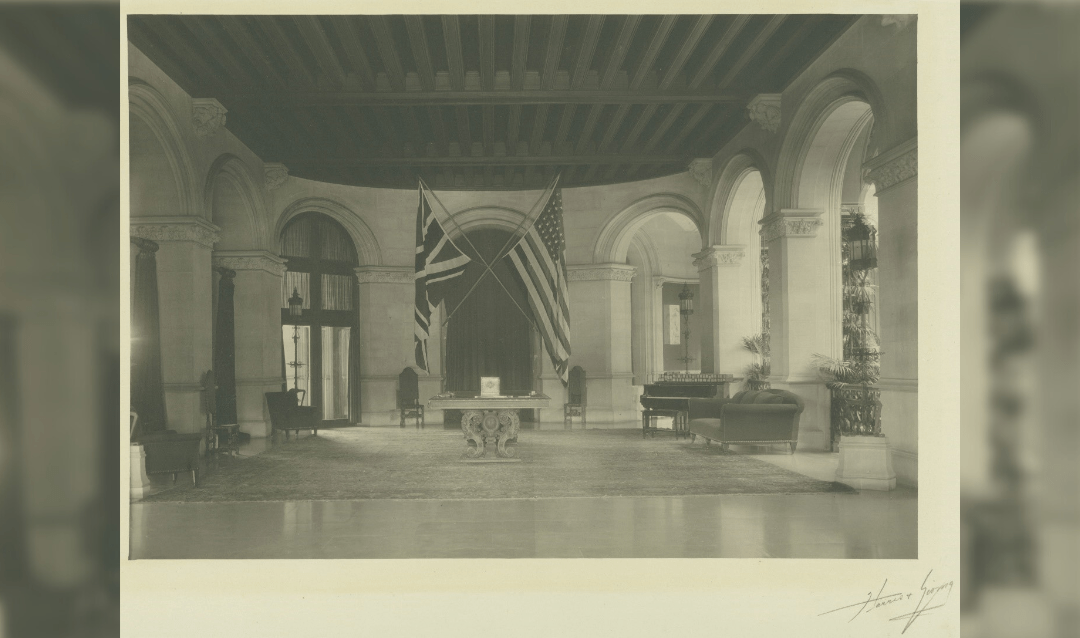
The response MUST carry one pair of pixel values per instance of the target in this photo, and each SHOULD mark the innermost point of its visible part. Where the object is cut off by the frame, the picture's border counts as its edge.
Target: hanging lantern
(862, 245)
(686, 301)
(296, 304)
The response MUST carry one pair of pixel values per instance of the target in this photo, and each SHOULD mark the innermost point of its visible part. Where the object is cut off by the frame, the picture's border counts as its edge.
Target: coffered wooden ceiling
(484, 102)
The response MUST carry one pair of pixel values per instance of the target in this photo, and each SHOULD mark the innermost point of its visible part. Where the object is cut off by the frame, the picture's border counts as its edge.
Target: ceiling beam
(539, 127)
(691, 124)
(667, 23)
(284, 47)
(565, 121)
(438, 126)
(451, 98)
(487, 52)
(632, 137)
(675, 67)
(513, 128)
(204, 72)
(250, 48)
(587, 50)
(454, 56)
(345, 29)
(384, 41)
(622, 46)
(749, 52)
(718, 51)
(464, 135)
(487, 114)
(554, 51)
(613, 126)
(418, 42)
(320, 46)
(526, 160)
(665, 124)
(521, 52)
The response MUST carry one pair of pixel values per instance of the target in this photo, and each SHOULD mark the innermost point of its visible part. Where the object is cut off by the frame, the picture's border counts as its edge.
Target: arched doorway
(320, 346)
(490, 331)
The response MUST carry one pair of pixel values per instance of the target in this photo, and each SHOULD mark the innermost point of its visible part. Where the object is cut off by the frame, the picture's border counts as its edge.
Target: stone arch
(614, 239)
(235, 205)
(150, 109)
(367, 247)
(731, 222)
(842, 87)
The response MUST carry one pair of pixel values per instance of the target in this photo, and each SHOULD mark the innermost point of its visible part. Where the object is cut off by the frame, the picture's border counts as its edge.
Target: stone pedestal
(140, 483)
(866, 463)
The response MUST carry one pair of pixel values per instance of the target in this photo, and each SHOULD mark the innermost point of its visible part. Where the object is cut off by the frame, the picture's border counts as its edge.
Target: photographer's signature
(931, 595)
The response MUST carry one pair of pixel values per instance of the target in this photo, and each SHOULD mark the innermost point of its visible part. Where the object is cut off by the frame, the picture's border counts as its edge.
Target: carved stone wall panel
(715, 256)
(193, 229)
(790, 224)
(893, 167)
(252, 261)
(367, 275)
(613, 272)
(208, 116)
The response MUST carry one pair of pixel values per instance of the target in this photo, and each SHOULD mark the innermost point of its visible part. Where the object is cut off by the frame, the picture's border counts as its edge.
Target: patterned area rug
(385, 463)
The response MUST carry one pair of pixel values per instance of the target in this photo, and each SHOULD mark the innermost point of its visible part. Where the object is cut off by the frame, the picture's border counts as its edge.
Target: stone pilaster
(386, 330)
(185, 298)
(600, 314)
(257, 315)
(727, 307)
(804, 312)
(895, 176)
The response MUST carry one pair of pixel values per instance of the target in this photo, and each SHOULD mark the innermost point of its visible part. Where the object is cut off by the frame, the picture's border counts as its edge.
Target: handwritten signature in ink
(931, 595)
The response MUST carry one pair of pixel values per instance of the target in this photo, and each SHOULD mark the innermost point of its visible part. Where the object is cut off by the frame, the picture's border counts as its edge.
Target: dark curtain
(225, 349)
(147, 387)
(354, 359)
(488, 336)
(12, 523)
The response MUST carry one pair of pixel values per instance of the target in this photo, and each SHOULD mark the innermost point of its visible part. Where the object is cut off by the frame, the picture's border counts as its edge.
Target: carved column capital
(765, 110)
(249, 260)
(790, 223)
(208, 115)
(715, 256)
(275, 174)
(385, 275)
(701, 170)
(144, 245)
(600, 272)
(895, 166)
(192, 229)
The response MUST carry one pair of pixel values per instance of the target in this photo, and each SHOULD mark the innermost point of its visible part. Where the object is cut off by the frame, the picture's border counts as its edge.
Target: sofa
(169, 452)
(752, 417)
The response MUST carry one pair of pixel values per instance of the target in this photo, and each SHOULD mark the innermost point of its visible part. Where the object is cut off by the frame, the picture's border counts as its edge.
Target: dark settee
(751, 417)
(169, 452)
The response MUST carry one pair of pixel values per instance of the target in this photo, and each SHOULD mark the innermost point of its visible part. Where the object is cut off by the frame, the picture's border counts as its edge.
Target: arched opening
(489, 331)
(320, 346)
(661, 245)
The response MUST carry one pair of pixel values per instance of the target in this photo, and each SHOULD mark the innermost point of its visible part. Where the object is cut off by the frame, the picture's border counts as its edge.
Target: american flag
(438, 262)
(538, 262)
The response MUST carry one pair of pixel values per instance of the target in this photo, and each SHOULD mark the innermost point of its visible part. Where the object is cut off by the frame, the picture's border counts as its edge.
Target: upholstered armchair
(576, 398)
(169, 452)
(287, 414)
(755, 417)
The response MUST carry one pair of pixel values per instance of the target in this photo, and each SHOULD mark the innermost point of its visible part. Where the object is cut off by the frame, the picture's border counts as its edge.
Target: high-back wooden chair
(408, 398)
(576, 398)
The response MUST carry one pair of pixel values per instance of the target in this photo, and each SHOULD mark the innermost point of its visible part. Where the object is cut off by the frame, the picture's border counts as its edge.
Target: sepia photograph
(523, 286)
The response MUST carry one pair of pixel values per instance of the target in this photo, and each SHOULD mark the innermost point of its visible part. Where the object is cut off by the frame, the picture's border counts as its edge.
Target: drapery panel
(225, 348)
(147, 386)
(488, 336)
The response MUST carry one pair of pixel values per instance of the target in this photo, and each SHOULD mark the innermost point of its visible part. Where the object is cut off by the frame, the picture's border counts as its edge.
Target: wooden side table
(224, 439)
(647, 427)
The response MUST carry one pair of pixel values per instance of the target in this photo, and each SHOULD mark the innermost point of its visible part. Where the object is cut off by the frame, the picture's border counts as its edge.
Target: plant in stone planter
(757, 373)
(856, 404)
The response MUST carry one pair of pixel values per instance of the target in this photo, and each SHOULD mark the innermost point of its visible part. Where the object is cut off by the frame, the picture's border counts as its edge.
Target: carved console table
(487, 420)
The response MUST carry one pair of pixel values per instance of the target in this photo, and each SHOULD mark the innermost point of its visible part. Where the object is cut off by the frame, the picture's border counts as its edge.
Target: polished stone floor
(864, 525)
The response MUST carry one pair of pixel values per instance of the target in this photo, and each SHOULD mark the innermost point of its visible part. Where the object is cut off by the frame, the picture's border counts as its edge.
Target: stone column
(185, 297)
(727, 307)
(257, 303)
(386, 343)
(804, 313)
(600, 338)
(895, 177)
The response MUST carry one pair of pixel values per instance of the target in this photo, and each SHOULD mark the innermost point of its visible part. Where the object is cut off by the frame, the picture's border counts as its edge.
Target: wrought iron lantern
(861, 239)
(686, 301)
(296, 304)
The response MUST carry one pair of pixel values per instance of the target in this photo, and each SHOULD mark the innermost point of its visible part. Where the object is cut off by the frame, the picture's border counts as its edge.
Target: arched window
(320, 344)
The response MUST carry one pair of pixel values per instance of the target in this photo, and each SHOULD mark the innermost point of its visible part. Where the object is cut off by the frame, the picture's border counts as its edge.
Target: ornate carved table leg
(507, 432)
(472, 428)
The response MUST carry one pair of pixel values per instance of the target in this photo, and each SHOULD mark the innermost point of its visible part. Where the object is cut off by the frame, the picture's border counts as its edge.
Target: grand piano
(670, 396)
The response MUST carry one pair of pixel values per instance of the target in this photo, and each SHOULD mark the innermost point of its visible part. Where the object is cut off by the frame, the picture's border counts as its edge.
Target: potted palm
(757, 373)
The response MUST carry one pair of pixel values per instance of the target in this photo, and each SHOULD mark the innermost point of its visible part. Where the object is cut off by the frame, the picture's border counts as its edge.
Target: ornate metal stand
(481, 427)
